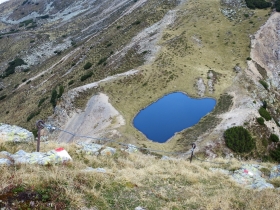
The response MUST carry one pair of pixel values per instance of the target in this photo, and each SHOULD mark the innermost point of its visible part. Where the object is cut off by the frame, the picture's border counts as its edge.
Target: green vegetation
(53, 97)
(273, 137)
(257, 4)
(102, 60)
(137, 22)
(87, 65)
(239, 139)
(44, 16)
(264, 84)
(277, 5)
(86, 76)
(60, 91)
(265, 114)
(26, 22)
(32, 115)
(42, 100)
(260, 120)
(12, 65)
(71, 82)
(275, 154)
(3, 97)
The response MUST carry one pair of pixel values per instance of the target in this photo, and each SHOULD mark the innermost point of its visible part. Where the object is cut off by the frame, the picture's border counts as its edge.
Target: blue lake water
(170, 114)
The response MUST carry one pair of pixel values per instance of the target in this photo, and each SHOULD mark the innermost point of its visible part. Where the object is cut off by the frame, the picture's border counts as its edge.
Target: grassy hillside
(130, 180)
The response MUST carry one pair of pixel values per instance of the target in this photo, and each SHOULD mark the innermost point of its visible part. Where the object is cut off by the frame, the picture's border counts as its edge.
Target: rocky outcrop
(57, 156)
(15, 133)
(249, 176)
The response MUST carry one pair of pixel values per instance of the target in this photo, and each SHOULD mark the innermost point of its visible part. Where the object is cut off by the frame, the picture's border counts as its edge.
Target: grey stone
(15, 133)
(51, 157)
(90, 148)
(4, 161)
(90, 169)
(139, 208)
(131, 149)
(275, 172)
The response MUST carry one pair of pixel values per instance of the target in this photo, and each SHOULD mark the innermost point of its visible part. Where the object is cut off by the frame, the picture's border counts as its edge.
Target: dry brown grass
(135, 180)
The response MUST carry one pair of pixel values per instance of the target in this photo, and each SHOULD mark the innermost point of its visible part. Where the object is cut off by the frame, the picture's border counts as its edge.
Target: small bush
(71, 82)
(60, 91)
(239, 139)
(260, 120)
(53, 98)
(24, 80)
(42, 100)
(137, 22)
(87, 65)
(88, 75)
(248, 58)
(264, 104)
(273, 137)
(102, 60)
(32, 115)
(265, 114)
(275, 154)
(259, 4)
(28, 81)
(3, 97)
(264, 84)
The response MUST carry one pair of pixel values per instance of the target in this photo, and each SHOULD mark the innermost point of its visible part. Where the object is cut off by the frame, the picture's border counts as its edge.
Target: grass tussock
(130, 180)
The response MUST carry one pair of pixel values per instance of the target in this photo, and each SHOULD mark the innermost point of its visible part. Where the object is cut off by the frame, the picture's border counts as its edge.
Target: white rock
(15, 133)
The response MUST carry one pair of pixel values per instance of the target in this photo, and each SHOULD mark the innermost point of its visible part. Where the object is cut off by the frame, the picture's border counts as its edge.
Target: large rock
(57, 156)
(250, 176)
(15, 133)
(96, 149)
(275, 172)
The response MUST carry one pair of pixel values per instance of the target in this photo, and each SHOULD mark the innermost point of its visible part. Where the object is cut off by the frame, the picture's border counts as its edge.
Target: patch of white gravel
(98, 119)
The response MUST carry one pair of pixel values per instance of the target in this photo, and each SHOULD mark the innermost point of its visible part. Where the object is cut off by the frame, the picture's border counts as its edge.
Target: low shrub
(264, 84)
(260, 120)
(3, 97)
(60, 91)
(259, 4)
(273, 137)
(239, 139)
(265, 114)
(275, 154)
(32, 115)
(71, 82)
(87, 65)
(102, 60)
(86, 76)
(42, 100)
(53, 97)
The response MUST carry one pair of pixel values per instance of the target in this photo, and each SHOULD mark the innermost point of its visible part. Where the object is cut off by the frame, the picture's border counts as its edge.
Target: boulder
(4, 161)
(57, 156)
(250, 176)
(108, 151)
(131, 149)
(15, 133)
(275, 172)
(90, 148)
